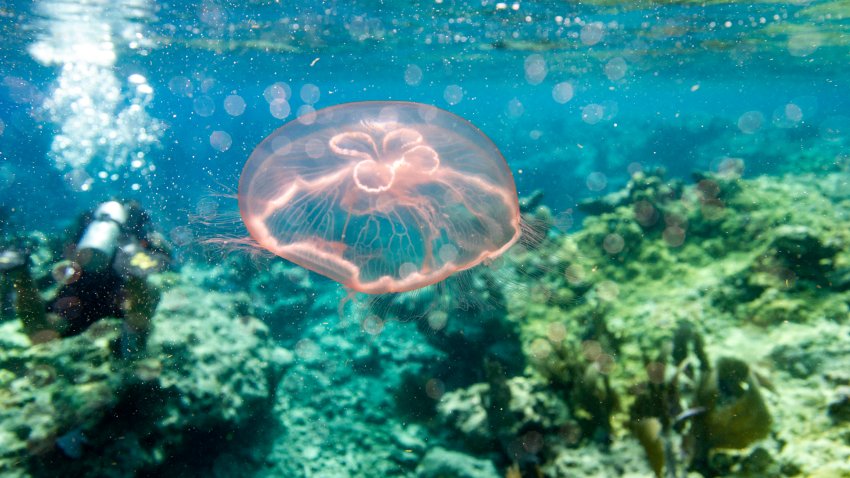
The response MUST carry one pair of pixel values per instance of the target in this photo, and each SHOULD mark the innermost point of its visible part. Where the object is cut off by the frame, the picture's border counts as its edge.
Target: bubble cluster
(104, 129)
(104, 132)
(277, 96)
(535, 69)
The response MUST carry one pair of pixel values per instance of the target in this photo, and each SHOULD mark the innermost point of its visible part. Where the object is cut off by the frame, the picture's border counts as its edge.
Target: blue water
(675, 68)
(163, 102)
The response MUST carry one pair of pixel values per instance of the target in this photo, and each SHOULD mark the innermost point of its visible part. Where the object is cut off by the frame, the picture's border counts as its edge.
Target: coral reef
(663, 279)
(687, 329)
(339, 408)
(527, 412)
(440, 463)
(76, 407)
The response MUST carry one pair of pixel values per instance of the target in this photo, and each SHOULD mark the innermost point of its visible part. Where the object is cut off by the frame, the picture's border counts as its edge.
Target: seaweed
(726, 408)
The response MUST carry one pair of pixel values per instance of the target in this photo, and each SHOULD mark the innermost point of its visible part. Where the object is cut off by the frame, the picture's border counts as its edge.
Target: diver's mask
(100, 240)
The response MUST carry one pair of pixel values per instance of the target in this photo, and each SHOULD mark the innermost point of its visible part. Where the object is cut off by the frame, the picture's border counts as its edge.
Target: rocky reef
(687, 328)
(77, 407)
(690, 328)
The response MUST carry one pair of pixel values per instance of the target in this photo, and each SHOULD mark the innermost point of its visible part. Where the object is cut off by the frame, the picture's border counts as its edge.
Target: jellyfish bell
(381, 197)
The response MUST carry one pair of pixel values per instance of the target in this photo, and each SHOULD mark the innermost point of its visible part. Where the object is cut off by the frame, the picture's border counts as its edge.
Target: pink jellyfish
(380, 196)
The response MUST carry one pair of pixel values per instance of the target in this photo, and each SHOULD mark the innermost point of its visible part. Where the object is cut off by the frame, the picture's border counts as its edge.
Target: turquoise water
(163, 103)
(672, 68)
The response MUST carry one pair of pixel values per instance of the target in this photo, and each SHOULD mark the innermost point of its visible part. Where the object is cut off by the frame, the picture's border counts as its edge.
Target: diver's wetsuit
(93, 296)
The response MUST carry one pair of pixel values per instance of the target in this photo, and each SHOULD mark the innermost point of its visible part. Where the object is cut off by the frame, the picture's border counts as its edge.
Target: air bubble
(220, 140)
(234, 105)
(279, 108)
(453, 94)
(562, 92)
(412, 75)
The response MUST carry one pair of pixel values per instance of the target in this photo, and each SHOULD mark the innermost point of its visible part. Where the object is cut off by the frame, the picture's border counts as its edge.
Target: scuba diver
(114, 250)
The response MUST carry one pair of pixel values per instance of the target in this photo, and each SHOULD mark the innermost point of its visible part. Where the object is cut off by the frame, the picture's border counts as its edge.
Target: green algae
(204, 368)
(750, 258)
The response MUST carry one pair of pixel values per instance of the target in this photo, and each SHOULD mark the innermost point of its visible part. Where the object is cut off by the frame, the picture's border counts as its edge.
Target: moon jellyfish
(380, 196)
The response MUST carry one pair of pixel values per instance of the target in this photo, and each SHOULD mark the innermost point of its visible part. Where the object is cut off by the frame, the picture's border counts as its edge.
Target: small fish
(691, 412)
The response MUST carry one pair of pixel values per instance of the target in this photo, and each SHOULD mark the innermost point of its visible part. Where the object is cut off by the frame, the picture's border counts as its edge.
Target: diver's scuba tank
(99, 242)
